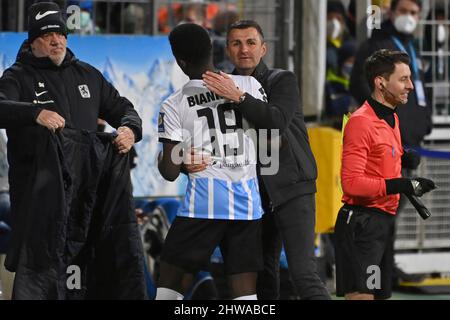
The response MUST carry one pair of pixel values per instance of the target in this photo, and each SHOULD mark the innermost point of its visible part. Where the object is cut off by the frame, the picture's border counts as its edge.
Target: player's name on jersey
(203, 98)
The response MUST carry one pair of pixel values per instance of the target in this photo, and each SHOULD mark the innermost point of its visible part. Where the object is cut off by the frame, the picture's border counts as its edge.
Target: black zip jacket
(297, 171)
(75, 209)
(415, 121)
(75, 90)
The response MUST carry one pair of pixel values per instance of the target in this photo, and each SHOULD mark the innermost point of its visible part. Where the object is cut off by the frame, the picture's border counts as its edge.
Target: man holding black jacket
(48, 87)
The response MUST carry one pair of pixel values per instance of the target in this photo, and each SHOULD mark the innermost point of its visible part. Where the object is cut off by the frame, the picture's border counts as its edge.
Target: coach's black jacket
(75, 90)
(297, 172)
(75, 209)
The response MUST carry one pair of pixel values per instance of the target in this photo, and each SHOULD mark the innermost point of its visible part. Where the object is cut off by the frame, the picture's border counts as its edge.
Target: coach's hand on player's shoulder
(51, 120)
(125, 139)
(223, 85)
(196, 161)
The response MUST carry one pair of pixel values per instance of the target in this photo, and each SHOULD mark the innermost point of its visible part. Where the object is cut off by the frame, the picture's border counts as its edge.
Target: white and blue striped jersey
(228, 188)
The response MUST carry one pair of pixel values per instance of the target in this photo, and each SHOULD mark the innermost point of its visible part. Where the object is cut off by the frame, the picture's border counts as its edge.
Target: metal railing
(145, 17)
(433, 233)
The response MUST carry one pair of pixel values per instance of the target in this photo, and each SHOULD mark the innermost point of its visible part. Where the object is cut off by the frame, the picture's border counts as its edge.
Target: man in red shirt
(372, 182)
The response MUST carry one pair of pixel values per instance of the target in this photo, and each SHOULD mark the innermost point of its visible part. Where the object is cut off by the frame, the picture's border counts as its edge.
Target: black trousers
(292, 225)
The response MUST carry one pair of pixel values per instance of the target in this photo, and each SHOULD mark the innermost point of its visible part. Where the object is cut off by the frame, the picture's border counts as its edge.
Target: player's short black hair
(190, 43)
(382, 63)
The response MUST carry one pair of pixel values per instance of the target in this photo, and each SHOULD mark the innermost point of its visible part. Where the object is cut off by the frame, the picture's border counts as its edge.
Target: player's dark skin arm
(166, 166)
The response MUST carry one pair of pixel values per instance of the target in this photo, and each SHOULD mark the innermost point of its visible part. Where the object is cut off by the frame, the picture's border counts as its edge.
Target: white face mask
(441, 34)
(334, 29)
(405, 24)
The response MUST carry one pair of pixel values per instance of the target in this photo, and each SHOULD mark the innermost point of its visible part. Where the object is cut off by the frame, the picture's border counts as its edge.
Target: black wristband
(399, 185)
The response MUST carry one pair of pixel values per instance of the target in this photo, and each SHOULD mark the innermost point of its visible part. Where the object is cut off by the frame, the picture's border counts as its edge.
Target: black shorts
(190, 243)
(364, 251)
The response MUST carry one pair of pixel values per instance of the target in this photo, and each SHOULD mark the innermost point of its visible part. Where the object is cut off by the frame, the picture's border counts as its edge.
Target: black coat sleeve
(13, 113)
(284, 101)
(117, 110)
(359, 88)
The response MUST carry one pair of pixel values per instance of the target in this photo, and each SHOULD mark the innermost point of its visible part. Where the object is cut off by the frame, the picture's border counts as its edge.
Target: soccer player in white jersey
(222, 206)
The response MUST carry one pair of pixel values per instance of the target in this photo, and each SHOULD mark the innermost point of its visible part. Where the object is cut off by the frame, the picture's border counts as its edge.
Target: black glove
(416, 186)
(410, 159)
(422, 186)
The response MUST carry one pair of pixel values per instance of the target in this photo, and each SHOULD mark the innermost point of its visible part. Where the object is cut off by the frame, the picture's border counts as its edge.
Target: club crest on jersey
(84, 91)
(161, 122)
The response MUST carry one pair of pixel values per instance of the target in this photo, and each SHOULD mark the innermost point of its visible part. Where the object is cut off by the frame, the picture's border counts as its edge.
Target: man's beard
(58, 59)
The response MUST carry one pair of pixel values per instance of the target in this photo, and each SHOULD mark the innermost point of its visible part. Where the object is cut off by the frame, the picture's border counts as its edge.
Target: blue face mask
(346, 70)
(85, 18)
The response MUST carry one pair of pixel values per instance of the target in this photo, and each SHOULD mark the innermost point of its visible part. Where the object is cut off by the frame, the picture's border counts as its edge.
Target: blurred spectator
(397, 33)
(194, 11)
(436, 39)
(351, 18)
(218, 34)
(167, 18)
(211, 11)
(385, 6)
(134, 19)
(87, 24)
(337, 32)
(351, 15)
(339, 101)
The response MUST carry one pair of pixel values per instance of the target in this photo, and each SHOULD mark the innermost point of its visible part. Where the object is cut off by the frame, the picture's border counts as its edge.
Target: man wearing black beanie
(45, 23)
(49, 87)
(45, 17)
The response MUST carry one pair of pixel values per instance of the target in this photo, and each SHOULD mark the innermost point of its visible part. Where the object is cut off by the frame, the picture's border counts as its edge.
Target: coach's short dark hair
(394, 3)
(245, 24)
(382, 63)
(190, 43)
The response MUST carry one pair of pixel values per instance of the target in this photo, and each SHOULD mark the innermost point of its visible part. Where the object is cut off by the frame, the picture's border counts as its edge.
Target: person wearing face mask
(339, 101)
(397, 33)
(87, 24)
(337, 33)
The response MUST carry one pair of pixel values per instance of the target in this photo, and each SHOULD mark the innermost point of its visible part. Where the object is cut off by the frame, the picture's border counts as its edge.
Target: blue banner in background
(143, 70)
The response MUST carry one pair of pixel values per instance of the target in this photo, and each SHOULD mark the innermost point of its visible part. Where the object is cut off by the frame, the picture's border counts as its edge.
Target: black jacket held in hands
(297, 171)
(415, 120)
(75, 208)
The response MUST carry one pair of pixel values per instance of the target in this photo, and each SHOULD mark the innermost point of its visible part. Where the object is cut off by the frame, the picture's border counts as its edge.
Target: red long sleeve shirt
(372, 152)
